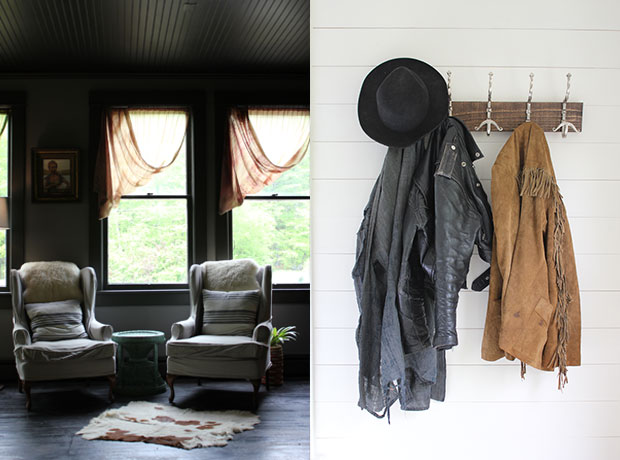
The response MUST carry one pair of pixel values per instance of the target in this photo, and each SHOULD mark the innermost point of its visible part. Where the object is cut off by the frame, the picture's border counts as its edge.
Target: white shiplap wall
(489, 413)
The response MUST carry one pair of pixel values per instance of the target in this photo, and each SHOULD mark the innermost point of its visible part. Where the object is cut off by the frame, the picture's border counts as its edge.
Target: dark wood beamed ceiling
(155, 36)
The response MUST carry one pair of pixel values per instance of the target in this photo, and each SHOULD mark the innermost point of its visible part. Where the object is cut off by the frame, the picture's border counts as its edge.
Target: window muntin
(148, 233)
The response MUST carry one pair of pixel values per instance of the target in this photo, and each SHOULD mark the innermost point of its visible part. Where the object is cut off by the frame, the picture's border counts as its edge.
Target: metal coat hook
(528, 110)
(564, 125)
(449, 94)
(489, 122)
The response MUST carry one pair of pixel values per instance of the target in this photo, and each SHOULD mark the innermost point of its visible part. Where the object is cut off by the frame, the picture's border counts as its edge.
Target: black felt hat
(401, 100)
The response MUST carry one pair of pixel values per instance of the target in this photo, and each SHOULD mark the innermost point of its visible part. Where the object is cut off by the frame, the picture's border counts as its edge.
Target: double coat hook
(489, 121)
(564, 125)
(510, 114)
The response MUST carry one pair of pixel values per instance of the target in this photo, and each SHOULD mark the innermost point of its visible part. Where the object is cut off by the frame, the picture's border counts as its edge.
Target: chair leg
(199, 382)
(112, 382)
(267, 379)
(20, 385)
(26, 387)
(256, 385)
(170, 378)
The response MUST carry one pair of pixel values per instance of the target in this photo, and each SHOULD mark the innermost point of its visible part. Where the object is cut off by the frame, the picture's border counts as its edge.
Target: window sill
(174, 297)
(142, 297)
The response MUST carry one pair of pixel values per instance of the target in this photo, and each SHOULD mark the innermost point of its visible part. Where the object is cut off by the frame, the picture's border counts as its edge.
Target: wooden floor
(60, 409)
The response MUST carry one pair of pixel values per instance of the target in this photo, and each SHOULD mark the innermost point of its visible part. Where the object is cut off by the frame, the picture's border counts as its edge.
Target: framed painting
(55, 174)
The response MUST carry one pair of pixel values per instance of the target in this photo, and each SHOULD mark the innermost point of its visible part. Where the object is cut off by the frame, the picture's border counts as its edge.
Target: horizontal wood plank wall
(489, 412)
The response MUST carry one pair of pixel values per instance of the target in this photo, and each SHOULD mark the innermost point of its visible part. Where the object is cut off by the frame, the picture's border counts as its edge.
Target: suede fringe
(561, 312)
(536, 182)
(523, 370)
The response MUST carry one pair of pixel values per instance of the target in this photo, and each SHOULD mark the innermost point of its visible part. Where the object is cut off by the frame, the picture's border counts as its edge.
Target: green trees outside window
(148, 231)
(273, 226)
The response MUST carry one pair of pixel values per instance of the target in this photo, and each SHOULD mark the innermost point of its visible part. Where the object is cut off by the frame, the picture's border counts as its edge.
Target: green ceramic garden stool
(137, 374)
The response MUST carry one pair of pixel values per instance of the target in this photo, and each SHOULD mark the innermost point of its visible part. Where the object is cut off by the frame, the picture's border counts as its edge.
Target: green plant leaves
(284, 334)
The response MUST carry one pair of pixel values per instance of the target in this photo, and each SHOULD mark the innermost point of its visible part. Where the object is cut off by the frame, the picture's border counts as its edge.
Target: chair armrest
(262, 332)
(183, 329)
(99, 331)
(21, 336)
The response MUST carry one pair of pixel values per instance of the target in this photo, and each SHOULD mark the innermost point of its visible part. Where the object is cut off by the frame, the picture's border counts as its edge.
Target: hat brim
(367, 104)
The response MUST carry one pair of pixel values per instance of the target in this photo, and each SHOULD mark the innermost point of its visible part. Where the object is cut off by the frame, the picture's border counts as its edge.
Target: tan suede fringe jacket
(533, 313)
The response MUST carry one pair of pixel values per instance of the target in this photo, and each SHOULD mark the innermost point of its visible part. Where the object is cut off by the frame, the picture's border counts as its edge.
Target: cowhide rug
(168, 425)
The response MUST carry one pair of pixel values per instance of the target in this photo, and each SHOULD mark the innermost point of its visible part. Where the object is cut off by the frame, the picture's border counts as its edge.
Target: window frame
(282, 293)
(189, 154)
(143, 293)
(15, 104)
(276, 197)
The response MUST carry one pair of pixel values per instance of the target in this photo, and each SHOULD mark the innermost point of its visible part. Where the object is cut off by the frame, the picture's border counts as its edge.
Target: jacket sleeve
(457, 226)
(505, 197)
(484, 236)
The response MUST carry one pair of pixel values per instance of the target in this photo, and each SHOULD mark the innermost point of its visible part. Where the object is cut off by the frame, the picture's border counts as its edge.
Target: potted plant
(278, 337)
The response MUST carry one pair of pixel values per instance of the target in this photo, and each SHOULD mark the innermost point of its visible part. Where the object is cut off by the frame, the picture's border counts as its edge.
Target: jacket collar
(536, 153)
(527, 150)
(472, 148)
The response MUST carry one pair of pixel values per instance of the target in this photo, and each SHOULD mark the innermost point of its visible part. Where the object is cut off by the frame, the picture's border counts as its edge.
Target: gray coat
(425, 213)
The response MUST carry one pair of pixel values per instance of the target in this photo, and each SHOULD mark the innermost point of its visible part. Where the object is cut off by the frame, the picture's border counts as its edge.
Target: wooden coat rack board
(509, 115)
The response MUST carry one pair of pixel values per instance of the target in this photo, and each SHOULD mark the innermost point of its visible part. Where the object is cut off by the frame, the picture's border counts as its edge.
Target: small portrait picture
(55, 175)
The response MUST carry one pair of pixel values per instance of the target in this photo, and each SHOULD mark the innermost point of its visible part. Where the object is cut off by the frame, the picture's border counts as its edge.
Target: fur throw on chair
(50, 281)
(230, 275)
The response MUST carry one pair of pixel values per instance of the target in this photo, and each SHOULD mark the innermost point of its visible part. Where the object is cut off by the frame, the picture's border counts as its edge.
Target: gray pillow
(229, 312)
(51, 321)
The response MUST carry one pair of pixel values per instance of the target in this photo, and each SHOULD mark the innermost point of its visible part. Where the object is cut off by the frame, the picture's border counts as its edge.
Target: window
(12, 186)
(273, 225)
(146, 236)
(143, 250)
(4, 190)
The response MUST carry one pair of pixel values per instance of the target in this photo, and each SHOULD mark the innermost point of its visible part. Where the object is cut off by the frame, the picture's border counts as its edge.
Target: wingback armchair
(55, 333)
(206, 344)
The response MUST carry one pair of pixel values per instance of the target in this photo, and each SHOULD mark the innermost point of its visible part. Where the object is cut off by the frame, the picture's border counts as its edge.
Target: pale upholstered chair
(55, 333)
(215, 343)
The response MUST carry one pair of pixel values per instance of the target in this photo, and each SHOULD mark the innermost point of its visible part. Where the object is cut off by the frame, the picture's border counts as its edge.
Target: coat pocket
(534, 337)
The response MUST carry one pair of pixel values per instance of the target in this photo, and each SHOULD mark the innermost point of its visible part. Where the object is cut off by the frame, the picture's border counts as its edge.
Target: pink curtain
(263, 143)
(4, 121)
(137, 143)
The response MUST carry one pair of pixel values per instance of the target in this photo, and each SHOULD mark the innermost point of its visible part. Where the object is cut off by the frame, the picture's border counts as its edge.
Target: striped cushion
(56, 320)
(229, 312)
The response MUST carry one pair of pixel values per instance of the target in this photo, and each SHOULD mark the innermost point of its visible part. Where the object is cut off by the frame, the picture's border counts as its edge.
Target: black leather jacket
(462, 218)
(425, 213)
